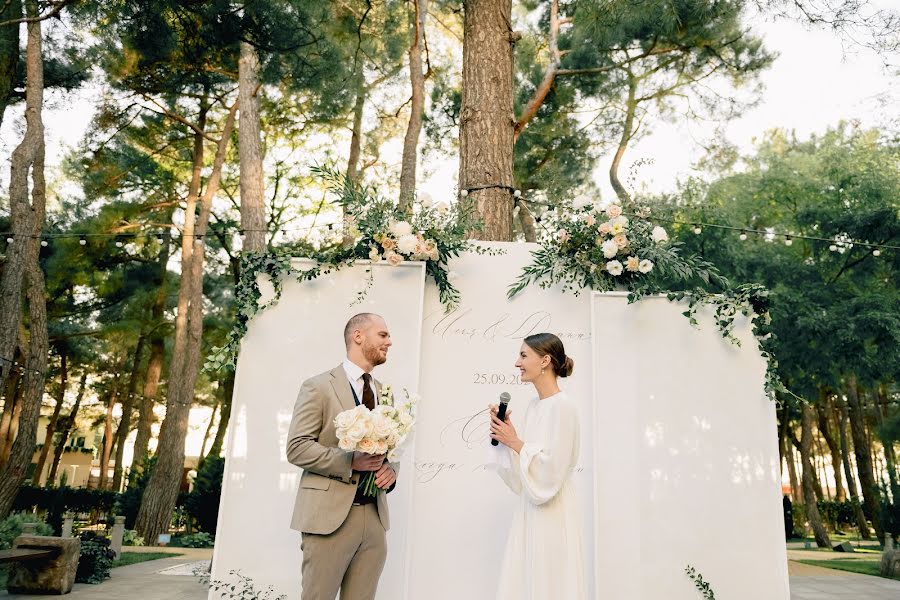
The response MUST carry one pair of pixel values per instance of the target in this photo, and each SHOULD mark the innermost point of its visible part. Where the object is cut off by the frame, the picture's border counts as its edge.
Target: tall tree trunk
(863, 457)
(806, 465)
(224, 415)
(253, 208)
(159, 497)
(65, 429)
(10, 395)
(13, 429)
(823, 412)
(881, 399)
(627, 133)
(526, 220)
(10, 10)
(127, 407)
(154, 364)
(809, 498)
(28, 156)
(209, 426)
(860, 517)
(54, 418)
(108, 438)
(786, 452)
(486, 118)
(356, 133)
(417, 108)
(26, 218)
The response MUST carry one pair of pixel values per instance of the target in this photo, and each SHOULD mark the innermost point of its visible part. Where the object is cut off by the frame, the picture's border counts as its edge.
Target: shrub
(131, 538)
(11, 528)
(203, 501)
(196, 540)
(130, 500)
(96, 558)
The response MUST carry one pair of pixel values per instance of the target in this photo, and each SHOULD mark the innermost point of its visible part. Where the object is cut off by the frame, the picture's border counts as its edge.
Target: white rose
(381, 426)
(605, 228)
(659, 234)
(407, 243)
(613, 211)
(406, 419)
(563, 236)
(581, 202)
(610, 248)
(614, 267)
(374, 255)
(346, 444)
(425, 200)
(645, 266)
(442, 207)
(381, 447)
(346, 419)
(589, 220)
(367, 445)
(400, 228)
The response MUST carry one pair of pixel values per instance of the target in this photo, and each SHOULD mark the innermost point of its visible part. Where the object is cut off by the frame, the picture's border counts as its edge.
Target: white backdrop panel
(686, 448)
(462, 512)
(300, 337)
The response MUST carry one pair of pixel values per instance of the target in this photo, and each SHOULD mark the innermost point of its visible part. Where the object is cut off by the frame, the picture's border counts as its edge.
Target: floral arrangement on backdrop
(375, 229)
(619, 247)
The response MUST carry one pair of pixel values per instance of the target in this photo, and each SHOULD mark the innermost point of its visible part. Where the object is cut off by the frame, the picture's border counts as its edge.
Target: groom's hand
(385, 477)
(366, 462)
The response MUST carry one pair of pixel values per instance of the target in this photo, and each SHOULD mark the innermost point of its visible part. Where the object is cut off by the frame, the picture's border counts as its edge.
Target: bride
(543, 559)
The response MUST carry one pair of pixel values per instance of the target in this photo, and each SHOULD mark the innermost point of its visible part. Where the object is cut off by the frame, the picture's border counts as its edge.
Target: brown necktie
(368, 398)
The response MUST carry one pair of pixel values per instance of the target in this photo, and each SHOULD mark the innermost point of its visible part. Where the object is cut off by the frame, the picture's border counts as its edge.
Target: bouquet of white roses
(379, 431)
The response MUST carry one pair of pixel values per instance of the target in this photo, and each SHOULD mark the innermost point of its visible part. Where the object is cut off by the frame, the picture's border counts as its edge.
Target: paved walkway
(163, 579)
(173, 579)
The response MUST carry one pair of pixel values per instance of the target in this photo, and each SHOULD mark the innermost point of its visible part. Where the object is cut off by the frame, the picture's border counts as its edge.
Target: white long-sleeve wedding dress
(544, 557)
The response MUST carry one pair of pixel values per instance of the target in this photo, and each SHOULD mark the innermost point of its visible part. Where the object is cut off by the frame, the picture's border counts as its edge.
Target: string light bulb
(876, 252)
(464, 193)
(517, 193)
(833, 248)
(697, 230)
(743, 236)
(119, 244)
(82, 241)
(9, 240)
(44, 243)
(788, 241)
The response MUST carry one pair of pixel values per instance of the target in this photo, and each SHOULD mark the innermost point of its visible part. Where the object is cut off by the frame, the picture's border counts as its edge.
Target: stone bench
(42, 564)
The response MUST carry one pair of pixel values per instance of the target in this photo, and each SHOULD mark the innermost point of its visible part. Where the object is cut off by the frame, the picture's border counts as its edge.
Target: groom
(344, 544)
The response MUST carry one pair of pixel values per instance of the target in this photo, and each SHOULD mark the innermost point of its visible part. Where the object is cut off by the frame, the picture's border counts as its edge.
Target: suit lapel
(341, 386)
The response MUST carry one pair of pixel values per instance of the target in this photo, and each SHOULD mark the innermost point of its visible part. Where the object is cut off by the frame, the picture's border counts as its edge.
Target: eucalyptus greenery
(604, 250)
(376, 230)
(700, 583)
(244, 589)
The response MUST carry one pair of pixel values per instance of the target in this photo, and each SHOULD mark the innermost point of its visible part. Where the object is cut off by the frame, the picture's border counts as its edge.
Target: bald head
(357, 323)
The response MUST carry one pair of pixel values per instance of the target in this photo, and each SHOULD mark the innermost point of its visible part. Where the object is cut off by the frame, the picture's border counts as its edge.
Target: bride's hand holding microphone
(504, 431)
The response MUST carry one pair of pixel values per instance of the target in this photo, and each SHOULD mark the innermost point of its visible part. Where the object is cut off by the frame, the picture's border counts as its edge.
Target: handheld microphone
(501, 411)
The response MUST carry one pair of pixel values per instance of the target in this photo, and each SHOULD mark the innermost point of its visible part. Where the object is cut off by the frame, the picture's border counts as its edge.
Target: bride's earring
(542, 370)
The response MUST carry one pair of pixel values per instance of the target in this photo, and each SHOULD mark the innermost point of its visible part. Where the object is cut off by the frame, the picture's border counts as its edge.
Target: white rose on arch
(610, 248)
(645, 266)
(659, 235)
(614, 268)
(425, 200)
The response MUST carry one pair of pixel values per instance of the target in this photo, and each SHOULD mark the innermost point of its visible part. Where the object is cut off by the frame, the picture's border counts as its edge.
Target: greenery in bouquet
(376, 229)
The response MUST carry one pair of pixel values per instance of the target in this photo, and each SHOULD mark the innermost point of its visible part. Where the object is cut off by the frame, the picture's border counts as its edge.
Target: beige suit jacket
(328, 484)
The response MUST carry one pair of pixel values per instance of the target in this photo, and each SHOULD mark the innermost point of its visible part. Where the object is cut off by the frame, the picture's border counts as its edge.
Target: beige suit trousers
(351, 558)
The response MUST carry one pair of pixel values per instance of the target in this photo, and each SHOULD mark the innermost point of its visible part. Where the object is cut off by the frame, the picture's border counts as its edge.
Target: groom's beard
(374, 355)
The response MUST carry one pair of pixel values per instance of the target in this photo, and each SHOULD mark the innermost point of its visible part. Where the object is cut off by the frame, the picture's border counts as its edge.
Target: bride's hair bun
(547, 344)
(567, 367)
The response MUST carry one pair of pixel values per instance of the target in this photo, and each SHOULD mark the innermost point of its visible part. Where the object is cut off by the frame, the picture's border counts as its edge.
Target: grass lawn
(864, 566)
(131, 558)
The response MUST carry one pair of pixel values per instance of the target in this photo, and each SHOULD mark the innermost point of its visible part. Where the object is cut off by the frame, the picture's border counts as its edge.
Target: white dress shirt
(355, 376)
